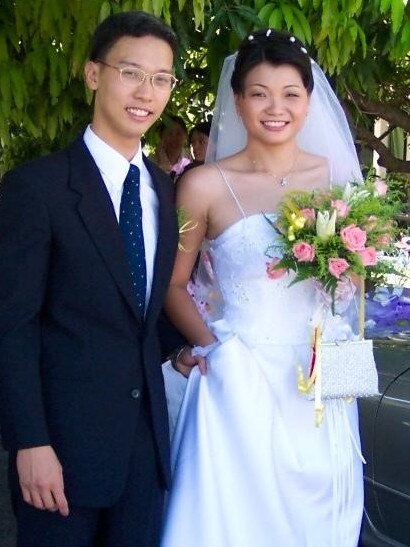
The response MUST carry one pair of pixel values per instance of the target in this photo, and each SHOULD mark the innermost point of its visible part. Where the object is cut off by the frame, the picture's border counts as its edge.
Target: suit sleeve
(24, 261)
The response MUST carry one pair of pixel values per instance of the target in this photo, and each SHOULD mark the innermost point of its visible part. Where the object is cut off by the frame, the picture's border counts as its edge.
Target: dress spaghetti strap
(231, 190)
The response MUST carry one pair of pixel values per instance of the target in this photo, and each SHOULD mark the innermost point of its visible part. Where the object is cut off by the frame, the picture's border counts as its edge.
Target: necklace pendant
(283, 181)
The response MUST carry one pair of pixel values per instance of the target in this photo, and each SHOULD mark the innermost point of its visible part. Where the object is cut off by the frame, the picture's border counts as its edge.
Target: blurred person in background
(170, 154)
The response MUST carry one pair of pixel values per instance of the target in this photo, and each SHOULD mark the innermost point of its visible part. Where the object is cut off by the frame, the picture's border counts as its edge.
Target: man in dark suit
(87, 243)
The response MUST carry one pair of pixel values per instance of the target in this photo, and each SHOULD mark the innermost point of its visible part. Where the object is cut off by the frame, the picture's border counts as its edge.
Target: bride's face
(274, 103)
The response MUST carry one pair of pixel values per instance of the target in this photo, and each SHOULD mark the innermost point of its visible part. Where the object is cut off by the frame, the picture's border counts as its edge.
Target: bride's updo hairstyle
(276, 48)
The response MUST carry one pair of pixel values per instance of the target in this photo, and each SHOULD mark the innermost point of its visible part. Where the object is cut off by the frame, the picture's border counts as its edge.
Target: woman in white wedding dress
(250, 468)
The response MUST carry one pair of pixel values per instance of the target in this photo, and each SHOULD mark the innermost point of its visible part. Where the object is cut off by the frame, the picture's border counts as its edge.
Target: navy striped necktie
(133, 236)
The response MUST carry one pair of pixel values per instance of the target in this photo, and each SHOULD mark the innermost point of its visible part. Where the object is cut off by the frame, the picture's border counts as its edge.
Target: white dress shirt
(114, 168)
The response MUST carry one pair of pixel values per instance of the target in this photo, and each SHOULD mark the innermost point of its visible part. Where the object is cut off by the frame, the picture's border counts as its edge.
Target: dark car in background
(385, 433)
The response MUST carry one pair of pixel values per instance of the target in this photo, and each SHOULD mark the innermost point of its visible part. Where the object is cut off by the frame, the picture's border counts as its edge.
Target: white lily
(348, 192)
(354, 192)
(326, 224)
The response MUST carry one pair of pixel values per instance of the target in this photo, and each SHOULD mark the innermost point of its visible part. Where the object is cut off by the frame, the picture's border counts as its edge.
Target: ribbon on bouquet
(314, 377)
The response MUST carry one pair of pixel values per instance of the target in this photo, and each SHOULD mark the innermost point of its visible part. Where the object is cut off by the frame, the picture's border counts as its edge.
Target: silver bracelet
(176, 355)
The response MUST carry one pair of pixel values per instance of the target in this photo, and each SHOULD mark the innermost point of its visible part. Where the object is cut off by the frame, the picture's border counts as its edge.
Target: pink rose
(337, 266)
(309, 214)
(368, 256)
(353, 237)
(304, 252)
(384, 240)
(342, 208)
(380, 188)
(272, 272)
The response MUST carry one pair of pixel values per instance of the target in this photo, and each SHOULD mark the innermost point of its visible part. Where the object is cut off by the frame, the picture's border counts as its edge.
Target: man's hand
(41, 479)
(185, 362)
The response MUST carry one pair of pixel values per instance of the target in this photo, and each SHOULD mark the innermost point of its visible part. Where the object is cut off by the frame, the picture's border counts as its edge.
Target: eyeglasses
(134, 77)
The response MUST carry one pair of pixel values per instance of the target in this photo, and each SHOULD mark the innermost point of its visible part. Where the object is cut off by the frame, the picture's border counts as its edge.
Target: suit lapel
(97, 212)
(166, 242)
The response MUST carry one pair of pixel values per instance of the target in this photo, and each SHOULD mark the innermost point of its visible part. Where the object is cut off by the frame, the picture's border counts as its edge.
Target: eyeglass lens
(136, 76)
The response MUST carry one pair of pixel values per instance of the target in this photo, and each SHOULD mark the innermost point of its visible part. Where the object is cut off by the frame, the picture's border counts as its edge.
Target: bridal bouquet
(330, 235)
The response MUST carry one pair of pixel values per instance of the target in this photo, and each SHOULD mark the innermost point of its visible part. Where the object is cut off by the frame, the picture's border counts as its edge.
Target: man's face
(123, 112)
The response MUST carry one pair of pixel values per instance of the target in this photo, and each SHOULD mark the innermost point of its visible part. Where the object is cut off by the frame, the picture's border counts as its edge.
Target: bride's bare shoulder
(313, 161)
(208, 177)
(315, 167)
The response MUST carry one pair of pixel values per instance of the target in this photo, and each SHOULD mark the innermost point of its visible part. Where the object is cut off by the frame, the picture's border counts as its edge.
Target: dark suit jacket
(74, 355)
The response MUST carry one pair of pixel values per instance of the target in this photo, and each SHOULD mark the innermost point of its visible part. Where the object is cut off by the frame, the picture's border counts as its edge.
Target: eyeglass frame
(151, 76)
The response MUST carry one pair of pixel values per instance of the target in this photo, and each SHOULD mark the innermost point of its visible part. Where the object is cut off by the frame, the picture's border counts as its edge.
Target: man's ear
(91, 75)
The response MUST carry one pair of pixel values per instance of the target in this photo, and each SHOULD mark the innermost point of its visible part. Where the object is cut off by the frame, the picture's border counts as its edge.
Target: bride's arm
(194, 197)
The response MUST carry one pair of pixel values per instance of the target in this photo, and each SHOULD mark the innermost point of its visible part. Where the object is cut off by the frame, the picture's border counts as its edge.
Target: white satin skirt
(250, 468)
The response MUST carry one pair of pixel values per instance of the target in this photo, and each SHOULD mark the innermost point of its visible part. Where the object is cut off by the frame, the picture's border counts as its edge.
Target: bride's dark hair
(276, 48)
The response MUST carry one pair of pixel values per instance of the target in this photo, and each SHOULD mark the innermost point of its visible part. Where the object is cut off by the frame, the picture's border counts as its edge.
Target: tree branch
(386, 158)
(392, 114)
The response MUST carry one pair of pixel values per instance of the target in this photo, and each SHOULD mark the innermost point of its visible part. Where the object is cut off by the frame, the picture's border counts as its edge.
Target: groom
(87, 243)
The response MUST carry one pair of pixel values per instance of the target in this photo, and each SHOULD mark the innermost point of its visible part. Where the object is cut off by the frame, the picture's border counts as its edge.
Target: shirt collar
(109, 161)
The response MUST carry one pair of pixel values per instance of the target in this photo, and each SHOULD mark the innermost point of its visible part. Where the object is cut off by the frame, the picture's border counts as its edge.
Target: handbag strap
(360, 308)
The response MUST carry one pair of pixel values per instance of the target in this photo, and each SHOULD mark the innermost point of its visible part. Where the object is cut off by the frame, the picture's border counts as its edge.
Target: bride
(250, 468)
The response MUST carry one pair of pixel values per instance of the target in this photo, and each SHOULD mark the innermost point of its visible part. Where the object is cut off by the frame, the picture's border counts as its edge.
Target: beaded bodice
(258, 307)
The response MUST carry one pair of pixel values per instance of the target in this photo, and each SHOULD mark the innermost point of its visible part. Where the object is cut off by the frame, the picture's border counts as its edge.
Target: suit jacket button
(135, 393)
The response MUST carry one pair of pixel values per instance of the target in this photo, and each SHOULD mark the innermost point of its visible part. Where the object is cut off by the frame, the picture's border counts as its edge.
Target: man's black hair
(136, 24)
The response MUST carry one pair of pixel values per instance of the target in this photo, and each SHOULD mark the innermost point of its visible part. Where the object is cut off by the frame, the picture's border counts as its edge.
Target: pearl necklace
(283, 179)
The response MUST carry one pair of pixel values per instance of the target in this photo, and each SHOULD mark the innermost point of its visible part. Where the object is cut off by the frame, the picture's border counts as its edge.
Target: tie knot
(133, 176)
(133, 170)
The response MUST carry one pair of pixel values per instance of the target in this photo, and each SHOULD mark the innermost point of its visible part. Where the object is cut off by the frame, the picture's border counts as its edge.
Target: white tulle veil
(326, 131)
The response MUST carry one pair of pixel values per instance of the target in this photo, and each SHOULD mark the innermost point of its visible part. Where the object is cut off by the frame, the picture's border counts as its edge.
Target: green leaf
(38, 64)
(147, 6)
(276, 19)
(353, 29)
(105, 11)
(354, 6)
(52, 124)
(334, 56)
(362, 38)
(30, 126)
(5, 89)
(385, 5)
(236, 25)
(298, 31)
(288, 15)
(397, 11)
(304, 23)
(329, 15)
(405, 37)
(198, 6)
(3, 47)
(248, 14)
(18, 86)
(265, 13)
(259, 5)
(157, 7)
